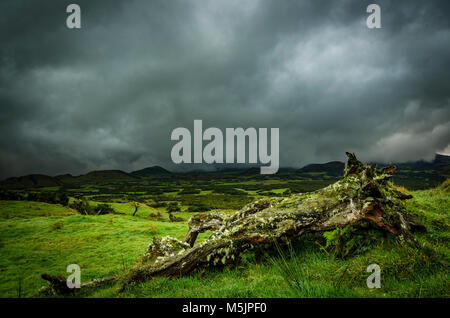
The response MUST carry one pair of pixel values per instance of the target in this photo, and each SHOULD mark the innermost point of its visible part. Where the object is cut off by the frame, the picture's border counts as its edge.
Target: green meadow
(38, 237)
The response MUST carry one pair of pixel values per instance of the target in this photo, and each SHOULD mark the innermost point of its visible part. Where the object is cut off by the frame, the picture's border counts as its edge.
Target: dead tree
(136, 207)
(364, 196)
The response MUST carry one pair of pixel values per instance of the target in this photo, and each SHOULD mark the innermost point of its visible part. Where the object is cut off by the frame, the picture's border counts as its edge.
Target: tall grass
(301, 280)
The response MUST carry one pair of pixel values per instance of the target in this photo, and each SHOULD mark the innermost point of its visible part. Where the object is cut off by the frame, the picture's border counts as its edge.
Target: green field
(38, 237)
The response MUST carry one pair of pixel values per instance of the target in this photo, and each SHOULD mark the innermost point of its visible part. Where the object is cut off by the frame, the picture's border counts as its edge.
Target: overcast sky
(107, 96)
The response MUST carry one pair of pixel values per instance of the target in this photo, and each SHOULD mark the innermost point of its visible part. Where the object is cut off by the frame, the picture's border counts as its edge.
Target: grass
(38, 237)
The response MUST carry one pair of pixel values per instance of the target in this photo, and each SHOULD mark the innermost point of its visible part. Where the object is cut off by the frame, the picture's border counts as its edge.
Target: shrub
(158, 204)
(11, 195)
(49, 197)
(173, 218)
(103, 208)
(198, 208)
(83, 207)
(173, 207)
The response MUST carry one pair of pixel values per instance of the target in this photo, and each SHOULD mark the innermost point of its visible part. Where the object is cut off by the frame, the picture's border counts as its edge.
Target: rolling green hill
(151, 171)
(38, 237)
(30, 181)
(334, 168)
(106, 175)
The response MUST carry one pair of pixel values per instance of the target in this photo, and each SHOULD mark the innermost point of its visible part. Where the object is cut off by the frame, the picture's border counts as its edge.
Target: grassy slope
(38, 237)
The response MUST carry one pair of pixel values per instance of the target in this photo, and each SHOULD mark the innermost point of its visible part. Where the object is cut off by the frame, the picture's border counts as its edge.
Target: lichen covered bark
(363, 196)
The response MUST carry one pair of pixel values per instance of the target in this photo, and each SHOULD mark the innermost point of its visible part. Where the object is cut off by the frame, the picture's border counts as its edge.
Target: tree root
(58, 285)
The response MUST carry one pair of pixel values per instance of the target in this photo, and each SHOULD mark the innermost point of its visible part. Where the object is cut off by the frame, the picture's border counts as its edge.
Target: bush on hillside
(49, 197)
(173, 207)
(103, 208)
(83, 207)
(11, 195)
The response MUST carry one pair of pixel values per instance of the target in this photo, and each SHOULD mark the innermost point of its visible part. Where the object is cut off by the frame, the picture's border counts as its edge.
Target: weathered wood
(58, 285)
(363, 196)
(202, 222)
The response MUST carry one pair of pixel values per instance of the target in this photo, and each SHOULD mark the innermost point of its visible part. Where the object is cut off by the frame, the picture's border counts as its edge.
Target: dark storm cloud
(109, 95)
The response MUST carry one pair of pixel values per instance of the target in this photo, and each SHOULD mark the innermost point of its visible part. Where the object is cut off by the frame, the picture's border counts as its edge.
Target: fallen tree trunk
(58, 285)
(363, 196)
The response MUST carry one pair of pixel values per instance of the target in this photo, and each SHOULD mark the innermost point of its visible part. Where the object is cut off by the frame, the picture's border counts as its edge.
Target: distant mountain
(106, 175)
(287, 170)
(441, 160)
(251, 171)
(333, 168)
(440, 163)
(40, 180)
(422, 174)
(66, 178)
(151, 171)
(257, 170)
(414, 175)
(30, 181)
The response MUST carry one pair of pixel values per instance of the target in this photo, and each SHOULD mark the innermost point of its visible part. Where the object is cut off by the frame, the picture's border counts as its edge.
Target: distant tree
(49, 197)
(173, 218)
(136, 207)
(103, 208)
(63, 199)
(82, 206)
